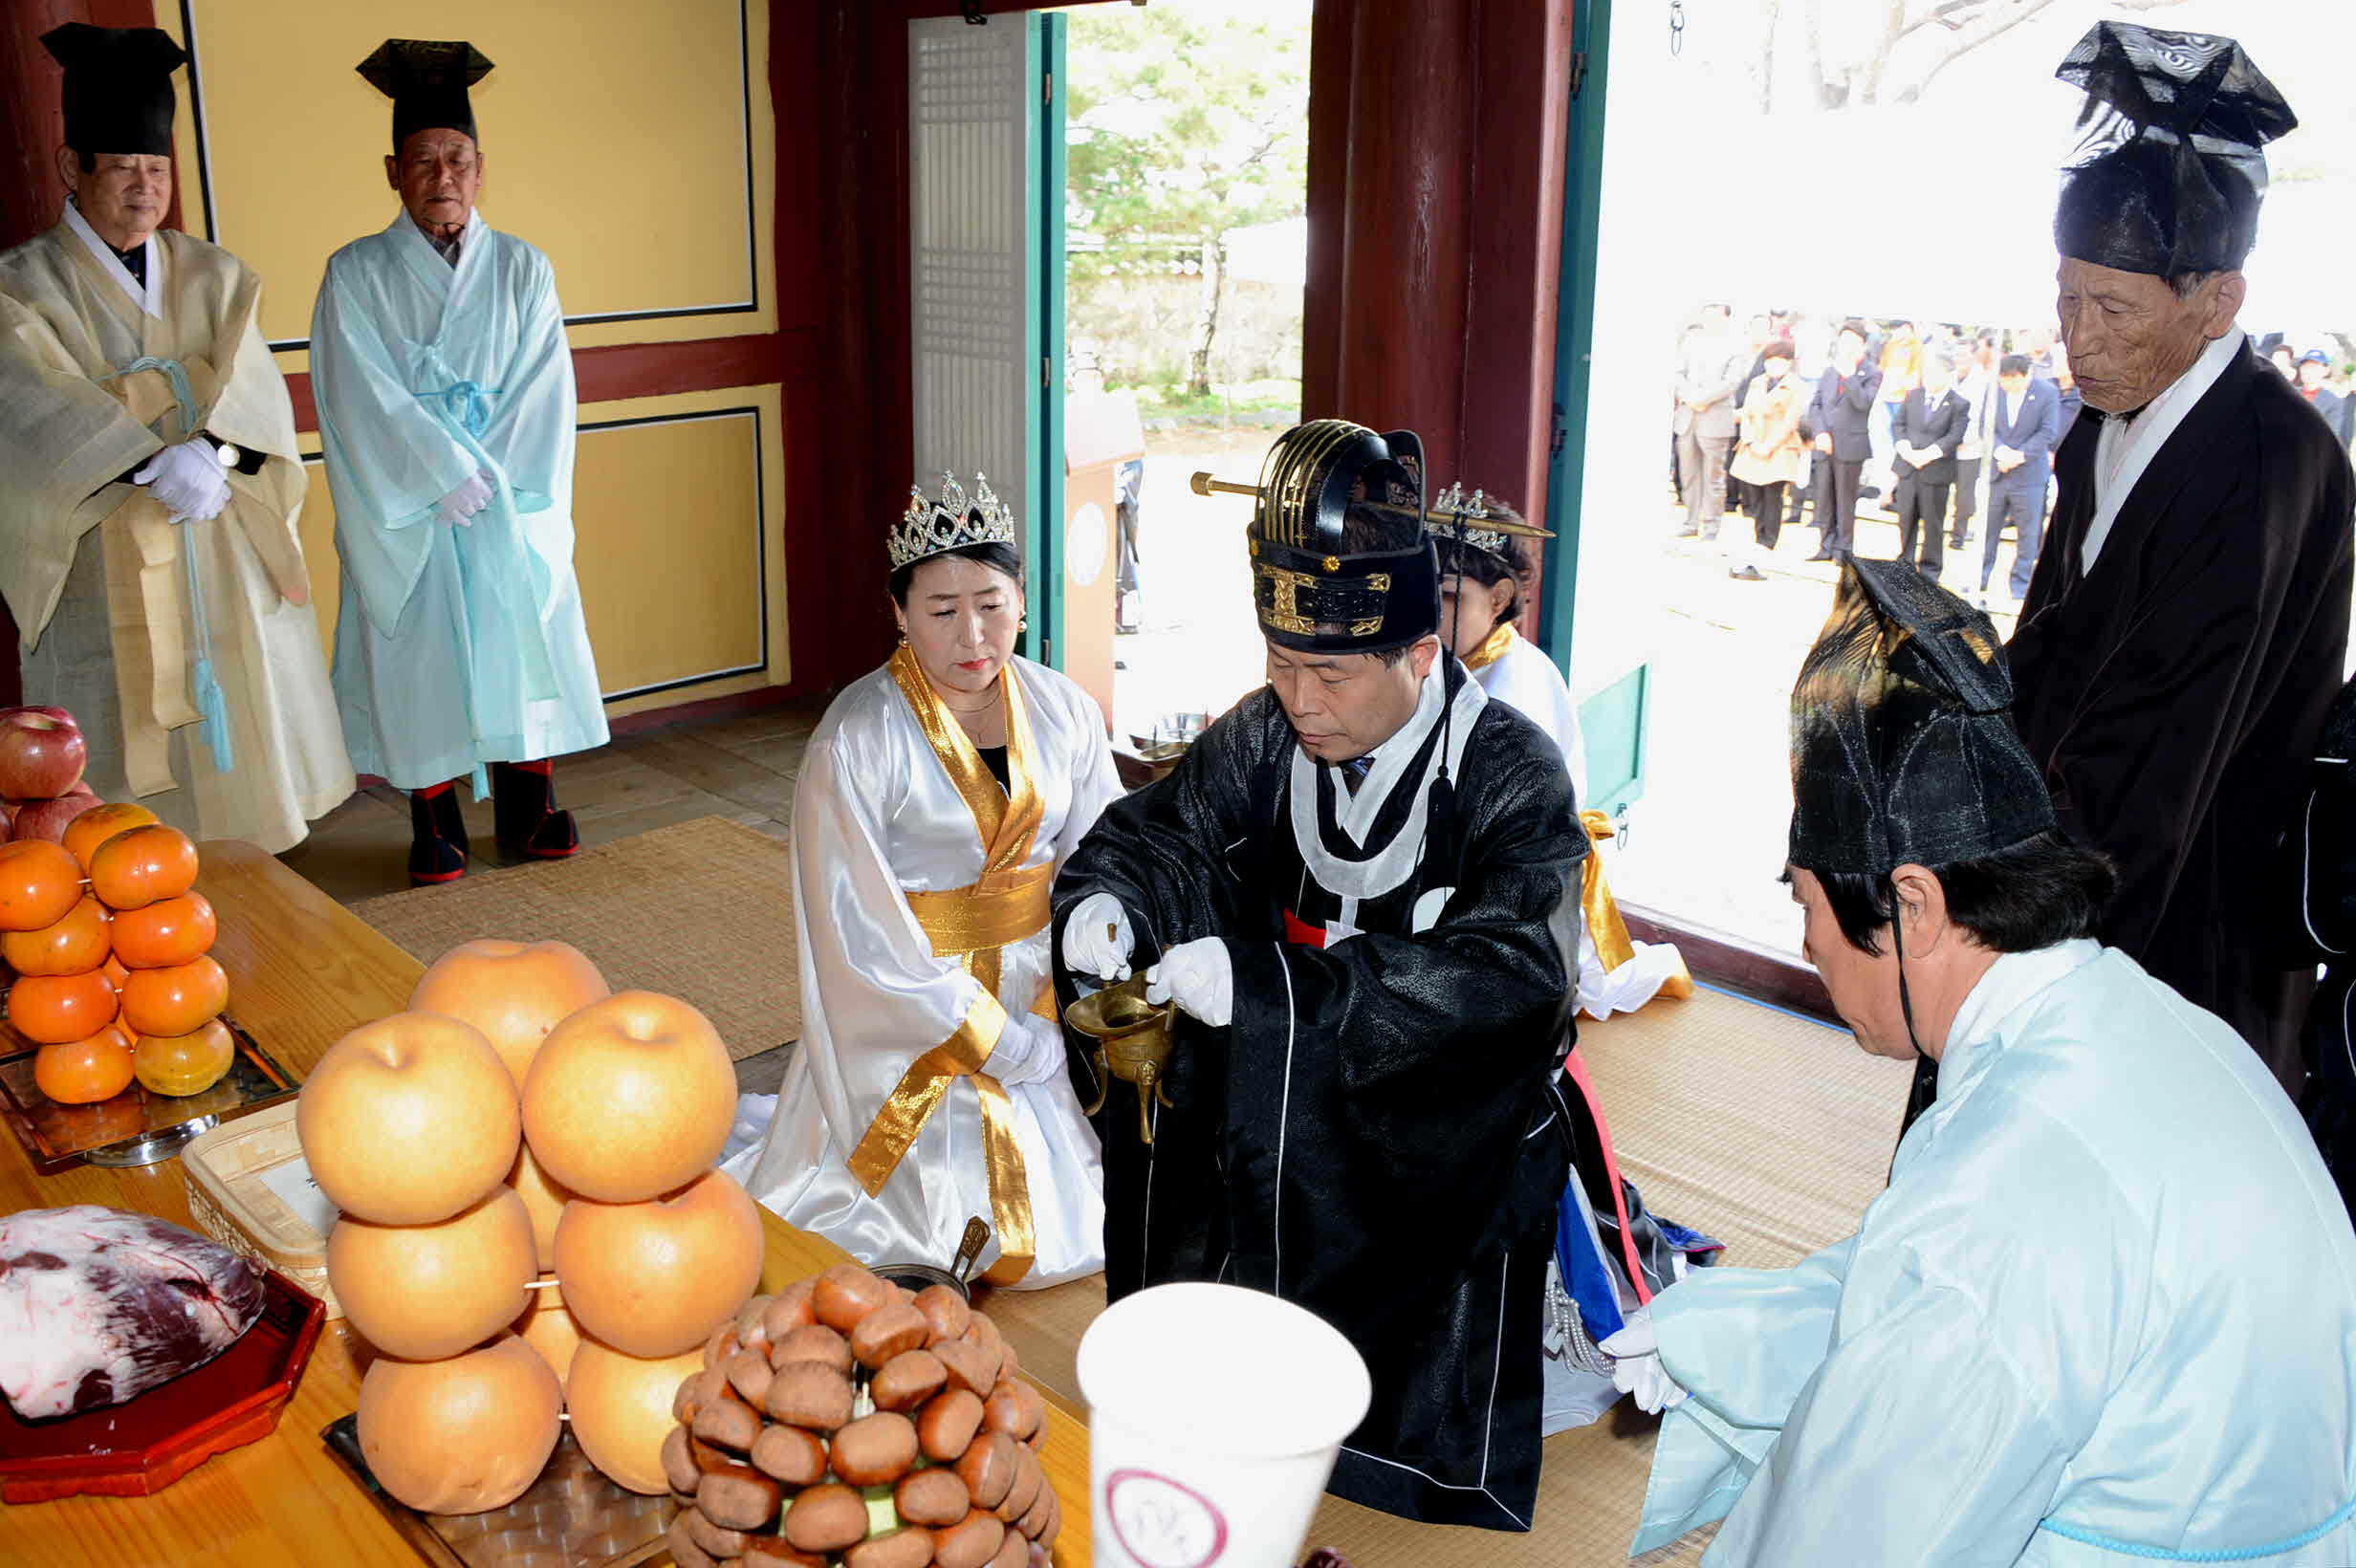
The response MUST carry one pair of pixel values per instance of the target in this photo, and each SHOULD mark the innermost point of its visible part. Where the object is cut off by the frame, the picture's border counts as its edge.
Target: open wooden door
(985, 274)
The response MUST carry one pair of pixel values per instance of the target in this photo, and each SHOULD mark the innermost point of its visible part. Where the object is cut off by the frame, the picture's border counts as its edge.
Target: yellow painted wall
(677, 523)
(615, 137)
(675, 593)
(634, 141)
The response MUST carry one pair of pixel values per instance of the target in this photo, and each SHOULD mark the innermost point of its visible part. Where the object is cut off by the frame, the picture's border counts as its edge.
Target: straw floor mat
(702, 910)
(1767, 1130)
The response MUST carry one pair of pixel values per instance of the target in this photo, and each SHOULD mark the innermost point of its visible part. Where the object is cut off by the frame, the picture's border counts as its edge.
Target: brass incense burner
(1132, 1044)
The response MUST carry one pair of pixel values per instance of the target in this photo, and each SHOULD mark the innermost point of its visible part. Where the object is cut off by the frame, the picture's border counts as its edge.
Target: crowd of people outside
(1948, 428)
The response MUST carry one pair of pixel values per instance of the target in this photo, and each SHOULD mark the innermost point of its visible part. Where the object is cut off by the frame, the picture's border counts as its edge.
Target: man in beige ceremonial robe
(148, 501)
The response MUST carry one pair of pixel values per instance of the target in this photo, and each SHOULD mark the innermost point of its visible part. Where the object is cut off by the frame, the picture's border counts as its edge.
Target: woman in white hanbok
(1482, 575)
(936, 799)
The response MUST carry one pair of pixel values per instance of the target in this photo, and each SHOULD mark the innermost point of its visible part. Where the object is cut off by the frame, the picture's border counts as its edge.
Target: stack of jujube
(846, 1421)
(111, 950)
(519, 1120)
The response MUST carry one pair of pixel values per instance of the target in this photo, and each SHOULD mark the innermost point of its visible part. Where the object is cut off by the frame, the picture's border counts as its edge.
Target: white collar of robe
(2013, 981)
(148, 296)
(1355, 814)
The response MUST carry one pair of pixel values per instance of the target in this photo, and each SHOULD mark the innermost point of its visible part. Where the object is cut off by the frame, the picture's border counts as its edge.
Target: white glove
(1029, 1050)
(1199, 976)
(1636, 1364)
(473, 495)
(187, 479)
(1097, 939)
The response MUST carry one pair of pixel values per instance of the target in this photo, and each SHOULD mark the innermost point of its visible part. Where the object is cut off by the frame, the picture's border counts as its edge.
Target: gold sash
(972, 923)
(142, 552)
(1601, 911)
(1493, 647)
(1008, 903)
(1604, 927)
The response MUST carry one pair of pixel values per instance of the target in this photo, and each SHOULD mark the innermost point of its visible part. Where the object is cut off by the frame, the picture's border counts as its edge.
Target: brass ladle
(1132, 1043)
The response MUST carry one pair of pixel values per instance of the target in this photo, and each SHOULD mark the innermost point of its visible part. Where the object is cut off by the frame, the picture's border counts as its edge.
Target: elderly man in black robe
(1360, 887)
(2185, 629)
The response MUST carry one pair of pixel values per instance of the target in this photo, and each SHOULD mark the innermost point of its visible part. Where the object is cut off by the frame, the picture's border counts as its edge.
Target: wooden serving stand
(304, 971)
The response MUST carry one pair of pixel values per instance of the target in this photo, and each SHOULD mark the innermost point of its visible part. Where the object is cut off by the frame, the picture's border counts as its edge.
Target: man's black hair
(2038, 892)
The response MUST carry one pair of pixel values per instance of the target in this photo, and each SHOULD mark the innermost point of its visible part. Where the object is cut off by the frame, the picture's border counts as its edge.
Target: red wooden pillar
(1435, 225)
(32, 107)
(32, 193)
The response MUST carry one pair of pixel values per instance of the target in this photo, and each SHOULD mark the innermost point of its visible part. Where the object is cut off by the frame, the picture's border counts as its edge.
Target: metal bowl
(917, 1275)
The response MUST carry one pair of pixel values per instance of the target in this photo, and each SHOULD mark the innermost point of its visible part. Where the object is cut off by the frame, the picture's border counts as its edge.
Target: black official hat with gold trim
(1340, 560)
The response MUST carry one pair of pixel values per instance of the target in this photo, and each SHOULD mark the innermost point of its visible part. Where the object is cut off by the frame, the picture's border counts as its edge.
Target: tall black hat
(1327, 489)
(2171, 164)
(118, 93)
(427, 78)
(1902, 746)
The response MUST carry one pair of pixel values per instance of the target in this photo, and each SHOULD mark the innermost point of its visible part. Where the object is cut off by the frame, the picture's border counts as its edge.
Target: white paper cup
(1214, 1417)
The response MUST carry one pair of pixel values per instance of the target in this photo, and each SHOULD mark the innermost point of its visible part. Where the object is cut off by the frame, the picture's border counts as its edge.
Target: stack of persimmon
(522, 1132)
(111, 947)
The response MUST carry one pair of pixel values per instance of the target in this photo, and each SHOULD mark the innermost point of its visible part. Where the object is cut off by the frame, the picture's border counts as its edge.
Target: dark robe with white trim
(1379, 1133)
(2173, 694)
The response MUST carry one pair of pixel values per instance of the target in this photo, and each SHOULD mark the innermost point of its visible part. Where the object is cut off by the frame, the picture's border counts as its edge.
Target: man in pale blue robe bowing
(2105, 1310)
(446, 404)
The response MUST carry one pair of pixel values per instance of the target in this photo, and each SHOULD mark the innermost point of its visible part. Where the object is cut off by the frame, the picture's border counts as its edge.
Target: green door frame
(1614, 720)
(1583, 186)
(1043, 48)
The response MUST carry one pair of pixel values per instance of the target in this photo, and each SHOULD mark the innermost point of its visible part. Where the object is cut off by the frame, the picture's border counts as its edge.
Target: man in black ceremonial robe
(1361, 887)
(2185, 629)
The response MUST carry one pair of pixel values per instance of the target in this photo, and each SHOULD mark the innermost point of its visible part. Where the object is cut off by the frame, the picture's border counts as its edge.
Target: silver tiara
(952, 522)
(1452, 517)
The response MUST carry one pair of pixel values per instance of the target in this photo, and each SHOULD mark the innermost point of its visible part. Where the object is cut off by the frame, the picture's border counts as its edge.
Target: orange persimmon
(185, 1064)
(143, 866)
(54, 1008)
(176, 1000)
(168, 932)
(94, 827)
(81, 1072)
(40, 882)
(75, 945)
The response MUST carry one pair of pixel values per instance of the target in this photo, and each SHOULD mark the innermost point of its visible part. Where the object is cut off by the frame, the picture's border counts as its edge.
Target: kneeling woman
(937, 798)
(1485, 572)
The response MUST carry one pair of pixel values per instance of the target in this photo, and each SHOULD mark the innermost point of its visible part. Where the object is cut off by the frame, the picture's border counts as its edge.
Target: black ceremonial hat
(427, 78)
(2171, 164)
(1324, 485)
(1902, 746)
(118, 93)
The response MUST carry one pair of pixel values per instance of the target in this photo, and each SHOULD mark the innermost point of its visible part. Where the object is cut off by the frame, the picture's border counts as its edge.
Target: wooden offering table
(303, 970)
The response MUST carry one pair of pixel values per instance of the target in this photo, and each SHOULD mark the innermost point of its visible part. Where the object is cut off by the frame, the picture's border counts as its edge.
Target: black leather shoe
(437, 836)
(523, 800)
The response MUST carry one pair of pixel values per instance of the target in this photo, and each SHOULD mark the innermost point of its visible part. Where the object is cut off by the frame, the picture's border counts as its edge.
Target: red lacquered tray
(146, 1444)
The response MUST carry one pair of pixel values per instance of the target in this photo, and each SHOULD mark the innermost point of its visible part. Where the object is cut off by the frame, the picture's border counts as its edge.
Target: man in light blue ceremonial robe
(2105, 1310)
(446, 404)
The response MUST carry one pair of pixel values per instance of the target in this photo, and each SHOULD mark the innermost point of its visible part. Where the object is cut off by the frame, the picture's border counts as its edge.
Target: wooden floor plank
(722, 773)
(740, 766)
